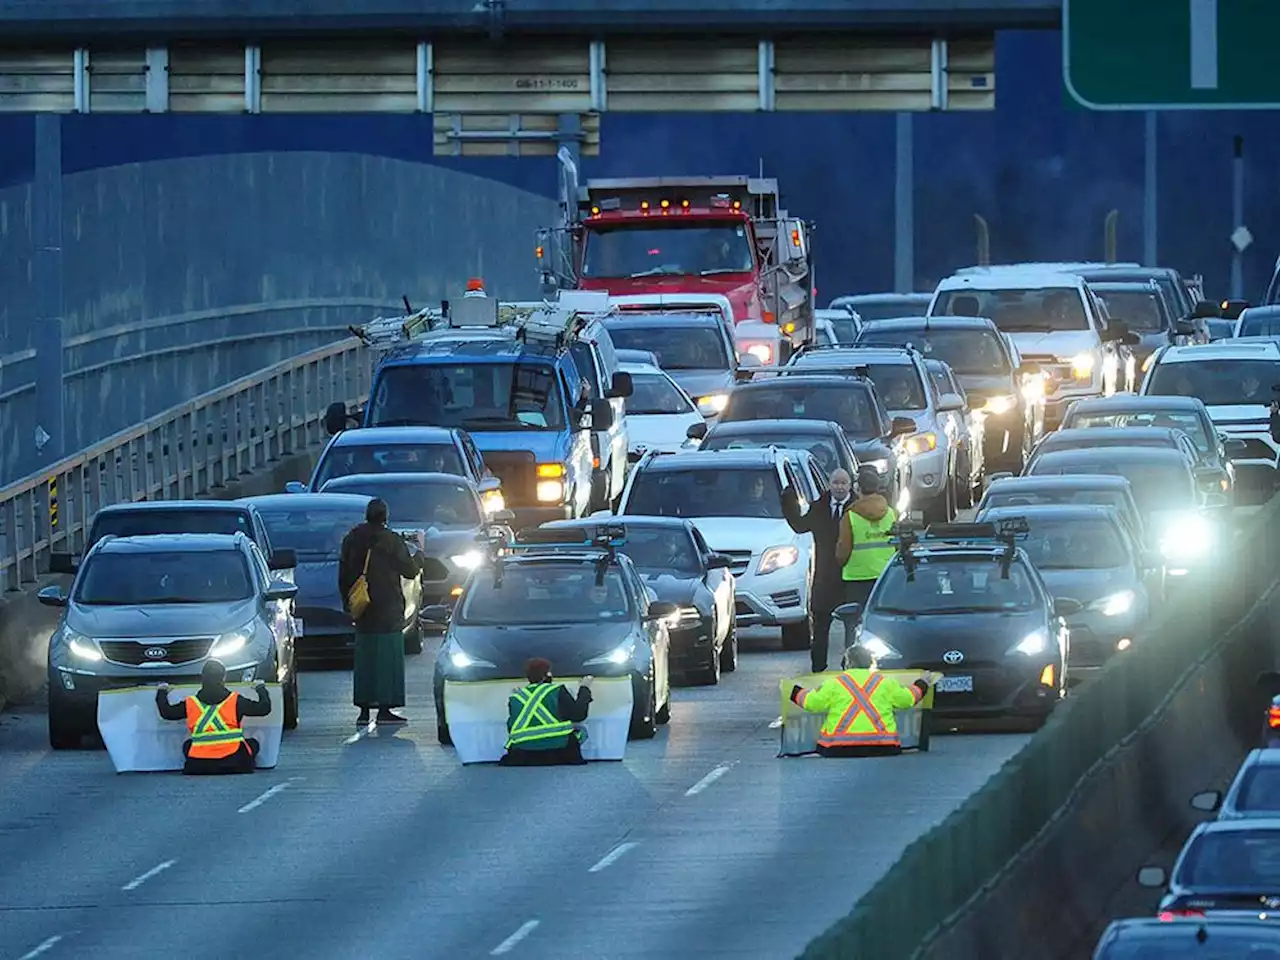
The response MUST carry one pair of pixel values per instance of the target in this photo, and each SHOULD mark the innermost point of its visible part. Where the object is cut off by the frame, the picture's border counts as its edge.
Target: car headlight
(616, 657)
(876, 646)
(1082, 365)
(1033, 387)
(469, 560)
(461, 659)
(776, 558)
(712, 404)
(493, 502)
(880, 466)
(922, 443)
(1186, 538)
(761, 351)
(1114, 605)
(1032, 644)
(550, 491)
(232, 642)
(82, 648)
(998, 406)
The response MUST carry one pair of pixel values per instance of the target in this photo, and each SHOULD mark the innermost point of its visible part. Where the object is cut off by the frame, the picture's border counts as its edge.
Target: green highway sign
(1171, 54)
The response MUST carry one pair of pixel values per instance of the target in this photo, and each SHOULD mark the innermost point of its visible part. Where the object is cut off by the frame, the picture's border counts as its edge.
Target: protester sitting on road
(541, 719)
(215, 719)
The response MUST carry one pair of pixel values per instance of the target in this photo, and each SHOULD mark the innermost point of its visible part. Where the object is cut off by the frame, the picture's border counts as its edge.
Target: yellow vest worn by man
(859, 705)
(864, 545)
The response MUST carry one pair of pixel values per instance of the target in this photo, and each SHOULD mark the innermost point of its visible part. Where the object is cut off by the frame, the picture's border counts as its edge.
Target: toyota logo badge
(953, 657)
(156, 653)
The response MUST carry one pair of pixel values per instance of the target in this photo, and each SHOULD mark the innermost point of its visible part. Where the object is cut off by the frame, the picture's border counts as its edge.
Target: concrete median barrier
(1028, 865)
(25, 625)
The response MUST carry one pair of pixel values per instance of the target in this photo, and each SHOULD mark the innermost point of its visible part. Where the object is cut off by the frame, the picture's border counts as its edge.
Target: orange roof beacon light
(475, 283)
(595, 211)
(684, 204)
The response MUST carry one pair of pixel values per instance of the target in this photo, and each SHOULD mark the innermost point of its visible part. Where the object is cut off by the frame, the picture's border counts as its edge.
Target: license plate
(955, 685)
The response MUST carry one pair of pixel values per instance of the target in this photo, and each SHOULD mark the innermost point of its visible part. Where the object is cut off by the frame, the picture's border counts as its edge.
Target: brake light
(1168, 916)
(1273, 718)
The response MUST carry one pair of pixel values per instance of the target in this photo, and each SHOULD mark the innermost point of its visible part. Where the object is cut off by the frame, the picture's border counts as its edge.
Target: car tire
(642, 728)
(291, 700)
(729, 652)
(798, 636)
(413, 640)
(926, 730)
(63, 734)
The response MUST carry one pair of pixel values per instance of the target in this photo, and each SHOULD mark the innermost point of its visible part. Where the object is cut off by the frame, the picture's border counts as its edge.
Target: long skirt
(378, 680)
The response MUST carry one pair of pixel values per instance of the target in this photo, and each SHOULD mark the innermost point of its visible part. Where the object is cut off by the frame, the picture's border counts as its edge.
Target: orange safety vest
(854, 719)
(215, 731)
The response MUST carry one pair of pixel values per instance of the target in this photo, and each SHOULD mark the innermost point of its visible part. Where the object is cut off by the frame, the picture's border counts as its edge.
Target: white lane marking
(613, 856)
(708, 780)
(43, 948)
(507, 945)
(136, 882)
(254, 804)
(775, 724)
(363, 732)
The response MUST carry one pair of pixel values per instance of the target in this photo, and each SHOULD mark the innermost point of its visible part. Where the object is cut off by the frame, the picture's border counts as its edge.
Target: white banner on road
(477, 715)
(139, 740)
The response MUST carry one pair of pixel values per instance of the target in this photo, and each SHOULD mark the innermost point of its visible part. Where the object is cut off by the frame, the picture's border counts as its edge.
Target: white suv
(1056, 323)
(734, 497)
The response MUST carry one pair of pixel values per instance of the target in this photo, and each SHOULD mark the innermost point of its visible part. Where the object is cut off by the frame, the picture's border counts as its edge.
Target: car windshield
(1155, 486)
(672, 249)
(313, 533)
(1075, 544)
(417, 505)
(852, 408)
(898, 384)
(1178, 942)
(976, 352)
(149, 523)
(135, 579)
(681, 348)
(1042, 310)
(342, 461)
(662, 550)
(1030, 498)
(845, 330)
(1260, 323)
(544, 593)
(1218, 382)
(823, 448)
(1057, 441)
(1260, 789)
(1188, 423)
(951, 585)
(1243, 860)
(656, 394)
(1141, 310)
(706, 492)
(888, 308)
(475, 397)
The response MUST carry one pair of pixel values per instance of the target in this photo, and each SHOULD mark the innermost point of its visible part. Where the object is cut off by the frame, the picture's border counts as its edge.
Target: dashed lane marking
(254, 804)
(44, 947)
(509, 944)
(613, 856)
(136, 882)
(708, 780)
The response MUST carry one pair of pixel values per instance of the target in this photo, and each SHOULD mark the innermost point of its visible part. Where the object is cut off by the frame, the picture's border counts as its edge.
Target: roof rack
(1006, 532)
(605, 542)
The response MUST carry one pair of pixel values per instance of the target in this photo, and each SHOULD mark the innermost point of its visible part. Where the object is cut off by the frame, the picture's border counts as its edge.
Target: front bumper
(1008, 688)
(929, 477)
(1095, 639)
(77, 689)
(692, 646)
(639, 684)
(775, 599)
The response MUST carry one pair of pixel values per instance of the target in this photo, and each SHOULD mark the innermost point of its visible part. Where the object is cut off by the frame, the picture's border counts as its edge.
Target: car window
(472, 454)
(1042, 310)
(128, 578)
(442, 505)
(1027, 498)
(703, 547)
(521, 395)
(852, 407)
(822, 449)
(662, 550)
(682, 348)
(706, 492)
(898, 384)
(584, 358)
(262, 571)
(1259, 323)
(315, 533)
(343, 461)
(1188, 422)
(1142, 310)
(1155, 486)
(947, 585)
(1218, 382)
(545, 593)
(656, 394)
(1075, 544)
(1237, 859)
(1260, 788)
(150, 522)
(1179, 942)
(973, 351)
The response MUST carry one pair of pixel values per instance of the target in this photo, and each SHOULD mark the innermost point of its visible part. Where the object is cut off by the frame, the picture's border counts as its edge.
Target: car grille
(517, 469)
(740, 561)
(133, 653)
(787, 598)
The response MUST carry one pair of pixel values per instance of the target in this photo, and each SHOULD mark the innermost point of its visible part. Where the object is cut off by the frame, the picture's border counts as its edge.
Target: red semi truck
(694, 235)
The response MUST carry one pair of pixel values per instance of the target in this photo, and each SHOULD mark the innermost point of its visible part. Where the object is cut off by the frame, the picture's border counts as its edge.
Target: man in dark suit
(823, 521)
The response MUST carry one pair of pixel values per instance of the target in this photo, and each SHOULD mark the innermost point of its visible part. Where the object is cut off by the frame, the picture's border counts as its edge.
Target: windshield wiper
(495, 421)
(656, 272)
(708, 273)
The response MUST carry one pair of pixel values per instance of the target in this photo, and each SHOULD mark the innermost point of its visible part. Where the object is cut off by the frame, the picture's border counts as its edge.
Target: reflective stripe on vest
(215, 730)
(535, 720)
(872, 550)
(843, 733)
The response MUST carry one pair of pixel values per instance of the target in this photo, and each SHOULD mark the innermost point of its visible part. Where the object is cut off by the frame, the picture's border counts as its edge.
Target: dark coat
(389, 561)
(826, 532)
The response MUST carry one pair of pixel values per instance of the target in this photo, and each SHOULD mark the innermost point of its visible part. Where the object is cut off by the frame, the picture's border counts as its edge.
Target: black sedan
(823, 438)
(313, 526)
(678, 565)
(1227, 868)
(587, 610)
(964, 603)
(1141, 937)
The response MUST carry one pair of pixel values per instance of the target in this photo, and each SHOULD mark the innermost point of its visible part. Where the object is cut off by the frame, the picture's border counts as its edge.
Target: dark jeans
(568, 755)
(824, 602)
(242, 761)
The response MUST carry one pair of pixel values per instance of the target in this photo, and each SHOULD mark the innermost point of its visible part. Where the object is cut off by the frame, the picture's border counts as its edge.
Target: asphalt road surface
(380, 844)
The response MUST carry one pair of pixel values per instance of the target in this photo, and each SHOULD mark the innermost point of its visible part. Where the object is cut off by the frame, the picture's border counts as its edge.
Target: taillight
(1273, 718)
(1168, 916)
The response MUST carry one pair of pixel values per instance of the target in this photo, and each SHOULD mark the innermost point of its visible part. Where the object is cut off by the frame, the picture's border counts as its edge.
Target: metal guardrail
(187, 451)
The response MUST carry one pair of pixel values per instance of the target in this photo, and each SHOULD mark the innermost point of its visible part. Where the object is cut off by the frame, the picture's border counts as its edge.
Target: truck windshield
(1045, 310)
(679, 348)
(696, 248)
(476, 397)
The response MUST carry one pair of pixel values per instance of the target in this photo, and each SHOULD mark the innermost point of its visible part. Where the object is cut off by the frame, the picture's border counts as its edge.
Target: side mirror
(282, 560)
(1207, 802)
(661, 609)
(901, 427)
(335, 418)
(63, 563)
(696, 431)
(1234, 448)
(601, 415)
(1231, 309)
(279, 590)
(295, 486)
(1206, 310)
(503, 516)
(748, 361)
(52, 597)
(1184, 328)
(488, 484)
(1152, 877)
(718, 561)
(622, 385)
(949, 402)
(1066, 607)
(436, 613)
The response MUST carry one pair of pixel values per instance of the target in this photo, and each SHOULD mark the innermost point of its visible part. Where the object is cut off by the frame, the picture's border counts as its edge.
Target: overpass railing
(187, 451)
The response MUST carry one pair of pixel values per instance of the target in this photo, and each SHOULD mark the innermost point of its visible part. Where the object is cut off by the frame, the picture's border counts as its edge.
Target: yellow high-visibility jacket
(859, 705)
